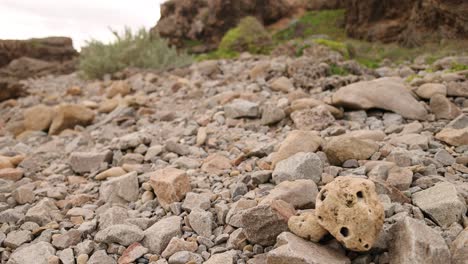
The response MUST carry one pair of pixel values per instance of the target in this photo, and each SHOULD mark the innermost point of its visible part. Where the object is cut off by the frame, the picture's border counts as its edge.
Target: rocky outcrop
(407, 22)
(185, 23)
(22, 59)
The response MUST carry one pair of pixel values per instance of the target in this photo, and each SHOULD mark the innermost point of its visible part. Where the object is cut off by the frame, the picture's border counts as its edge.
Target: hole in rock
(360, 195)
(323, 195)
(344, 231)
(366, 246)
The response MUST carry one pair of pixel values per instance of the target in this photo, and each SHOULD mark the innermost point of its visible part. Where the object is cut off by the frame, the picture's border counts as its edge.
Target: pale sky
(79, 19)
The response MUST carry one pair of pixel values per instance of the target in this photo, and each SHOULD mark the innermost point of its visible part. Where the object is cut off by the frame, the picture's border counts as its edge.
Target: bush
(129, 50)
(249, 35)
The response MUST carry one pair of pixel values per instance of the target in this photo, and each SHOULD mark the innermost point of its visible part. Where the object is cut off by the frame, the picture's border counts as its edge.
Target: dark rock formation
(408, 22)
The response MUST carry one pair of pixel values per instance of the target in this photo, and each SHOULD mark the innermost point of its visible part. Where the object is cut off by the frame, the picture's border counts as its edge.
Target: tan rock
(306, 103)
(297, 141)
(375, 135)
(299, 193)
(306, 226)
(342, 148)
(12, 174)
(384, 93)
(317, 118)
(443, 108)
(38, 117)
(178, 244)
(349, 208)
(109, 105)
(454, 137)
(170, 185)
(400, 178)
(5, 162)
(70, 115)
(216, 164)
(118, 87)
(427, 90)
(282, 84)
(112, 172)
(459, 248)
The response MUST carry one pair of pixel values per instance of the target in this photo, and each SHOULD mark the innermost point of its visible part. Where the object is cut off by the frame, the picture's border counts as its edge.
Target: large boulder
(384, 93)
(408, 22)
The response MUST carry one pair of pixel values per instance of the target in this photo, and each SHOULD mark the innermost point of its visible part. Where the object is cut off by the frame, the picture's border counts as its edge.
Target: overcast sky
(79, 19)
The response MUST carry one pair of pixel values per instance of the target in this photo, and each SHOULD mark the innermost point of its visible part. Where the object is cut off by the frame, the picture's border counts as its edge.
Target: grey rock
(201, 222)
(15, 239)
(124, 235)
(11, 216)
(112, 216)
(441, 203)
(43, 212)
(444, 157)
(293, 249)
(68, 239)
(101, 257)
(37, 253)
(122, 189)
(414, 242)
(239, 108)
(226, 257)
(66, 256)
(82, 162)
(158, 236)
(196, 201)
(183, 257)
(299, 166)
(272, 114)
(298, 193)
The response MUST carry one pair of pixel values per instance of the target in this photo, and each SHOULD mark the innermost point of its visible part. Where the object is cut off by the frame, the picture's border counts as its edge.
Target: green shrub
(338, 70)
(249, 35)
(335, 45)
(129, 50)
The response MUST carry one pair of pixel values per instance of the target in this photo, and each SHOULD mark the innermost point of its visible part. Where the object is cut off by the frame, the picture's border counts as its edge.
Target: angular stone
(38, 117)
(414, 242)
(112, 172)
(226, 257)
(341, 149)
(298, 193)
(239, 108)
(216, 164)
(411, 140)
(444, 157)
(459, 248)
(158, 236)
(292, 249)
(454, 137)
(178, 244)
(384, 93)
(443, 108)
(427, 90)
(317, 118)
(68, 239)
(170, 185)
(37, 253)
(441, 203)
(282, 84)
(23, 194)
(82, 162)
(262, 224)
(101, 257)
(66, 256)
(43, 212)
(306, 225)
(297, 141)
(183, 257)
(201, 222)
(400, 178)
(121, 189)
(301, 165)
(113, 216)
(15, 239)
(196, 201)
(272, 114)
(124, 235)
(350, 209)
(457, 89)
(132, 253)
(70, 115)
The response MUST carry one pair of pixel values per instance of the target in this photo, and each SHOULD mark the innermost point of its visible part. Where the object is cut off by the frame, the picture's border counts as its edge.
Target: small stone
(428, 90)
(299, 166)
(11, 174)
(317, 118)
(101, 257)
(298, 193)
(282, 84)
(70, 115)
(297, 141)
(122, 189)
(82, 259)
(67, 240)
(459, 248)
(158, 236)
(411, 140)
(414, 242)
(401, 178)
(444, 157)
(37, 253)
(170, 185)
(67, 256)
(350, 209)
(216, 164)
(23, 195)
(454, 137)
(185, 257)
(226, 257)
(341, 149)
(43, 212)
(112, 172)
(241, 108)
(124, 235)
(118, 88)
(306, 226)
(272, 114)
(178, 244)
(15, 239)
(82, 162)
(441, 203)
(132, 253)
(443, 108)
(293, 249)
(201, 222)
(237, 239)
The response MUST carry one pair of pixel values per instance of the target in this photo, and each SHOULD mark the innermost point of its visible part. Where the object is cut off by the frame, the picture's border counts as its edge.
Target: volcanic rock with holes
(350, 210)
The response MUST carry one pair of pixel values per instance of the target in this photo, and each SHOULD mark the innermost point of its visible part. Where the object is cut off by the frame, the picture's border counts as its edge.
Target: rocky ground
(206, 164)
